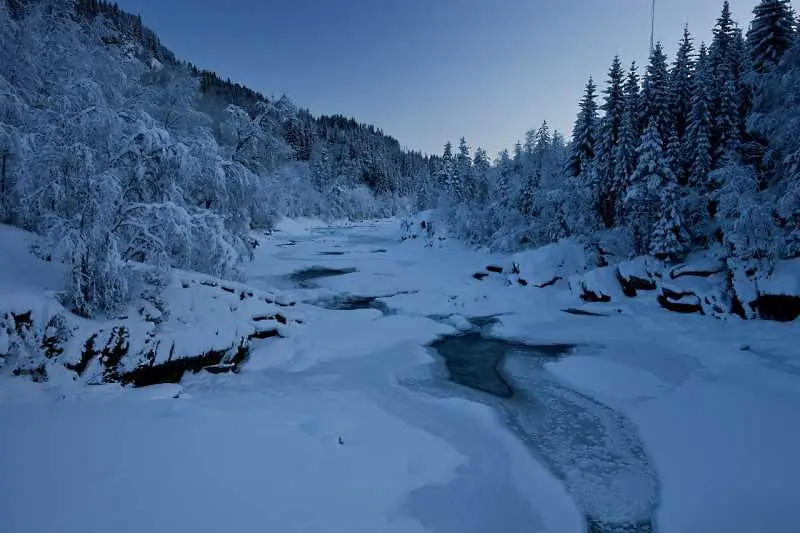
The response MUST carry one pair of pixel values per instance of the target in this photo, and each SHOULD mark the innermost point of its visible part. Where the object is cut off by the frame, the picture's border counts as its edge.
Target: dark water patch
(305, 278)
(598, 526)
(352, 303)
(582, 312)
(475, 361)
(593, 449)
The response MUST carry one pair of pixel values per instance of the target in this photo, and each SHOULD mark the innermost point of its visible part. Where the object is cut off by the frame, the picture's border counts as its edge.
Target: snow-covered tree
(770, 34)
(655, 98)
(727, 59)
(698, 135)
(642, 203)
(681, 84)
(584, 133)
(625, 157)
(609, 139)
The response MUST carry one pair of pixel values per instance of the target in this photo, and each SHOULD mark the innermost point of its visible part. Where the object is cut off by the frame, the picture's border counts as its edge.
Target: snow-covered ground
(348, 425)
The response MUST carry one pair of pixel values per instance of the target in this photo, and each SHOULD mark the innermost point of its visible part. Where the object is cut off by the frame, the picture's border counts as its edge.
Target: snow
(23, 273)
(705, 261)
(261, 448)
(641, 267)
(558, 260)
(785, 279)
(298, 226)
(601, 281)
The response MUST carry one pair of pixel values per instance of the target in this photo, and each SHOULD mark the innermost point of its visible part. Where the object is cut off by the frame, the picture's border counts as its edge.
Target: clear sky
(426, 71)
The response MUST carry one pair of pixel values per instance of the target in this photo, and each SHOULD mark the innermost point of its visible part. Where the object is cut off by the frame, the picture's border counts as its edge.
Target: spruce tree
(608, 141)
(462, 182)
(643, 199)
(655, 107)
(445, 173)
(729, 95)
(625, 155)
(669, 237)
(543, 136)
(722, 52)
(584, 134)
(681, 83)
(771, 33)
(727, 126)
(698, 142)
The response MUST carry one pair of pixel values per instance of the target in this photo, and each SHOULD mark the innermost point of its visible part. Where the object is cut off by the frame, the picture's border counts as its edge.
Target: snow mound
(599, 285)
(703, 264)
(547, 265)
(785, 279)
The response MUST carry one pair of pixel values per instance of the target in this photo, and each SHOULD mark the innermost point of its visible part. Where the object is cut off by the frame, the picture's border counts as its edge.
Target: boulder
(699, 264)
(599, 285)
(679, 302)
(779, 293)
(636, 275)
(779, 307)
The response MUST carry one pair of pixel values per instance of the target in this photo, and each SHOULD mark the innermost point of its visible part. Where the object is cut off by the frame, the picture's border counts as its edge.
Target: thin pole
(652, 24)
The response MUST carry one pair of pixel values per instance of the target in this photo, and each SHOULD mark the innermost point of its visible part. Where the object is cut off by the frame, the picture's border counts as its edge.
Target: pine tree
(642, 202)
(584, 134)
(729, 95)
(681, 100)
(629, 135)
(543, 137)
(770, 34)
(728, 126)
(722, 52)
(669, 237)
(655, 107)
(698, 142)
(462, 182)
(480, 171)
(608, 141)
(446, 171)
(674, 155)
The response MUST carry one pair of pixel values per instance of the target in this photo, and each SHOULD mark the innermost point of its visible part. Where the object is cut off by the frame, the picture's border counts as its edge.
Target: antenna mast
(652, 23)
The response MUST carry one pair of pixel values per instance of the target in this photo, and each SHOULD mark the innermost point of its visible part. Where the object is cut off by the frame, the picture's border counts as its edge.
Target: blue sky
(426, 71)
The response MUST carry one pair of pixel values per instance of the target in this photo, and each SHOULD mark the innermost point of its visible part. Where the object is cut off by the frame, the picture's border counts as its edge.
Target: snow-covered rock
(779, 294)
(598, 285)
(549, 264)
(704, 264)
(638, 274)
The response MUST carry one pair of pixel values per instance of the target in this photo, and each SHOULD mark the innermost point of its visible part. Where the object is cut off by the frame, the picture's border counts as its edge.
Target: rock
(264, 333)
(171, 371)
(679, 302)
(636, 275)
(701, 264)
(588, 295)
(598, 286)
(224, 368)
(548, 283)
(778, 307)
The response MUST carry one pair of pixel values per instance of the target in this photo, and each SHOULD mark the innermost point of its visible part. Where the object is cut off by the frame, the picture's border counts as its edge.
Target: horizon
(412, 83)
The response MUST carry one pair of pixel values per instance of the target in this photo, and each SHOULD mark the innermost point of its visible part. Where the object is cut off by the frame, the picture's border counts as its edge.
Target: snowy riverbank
(347, 424)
